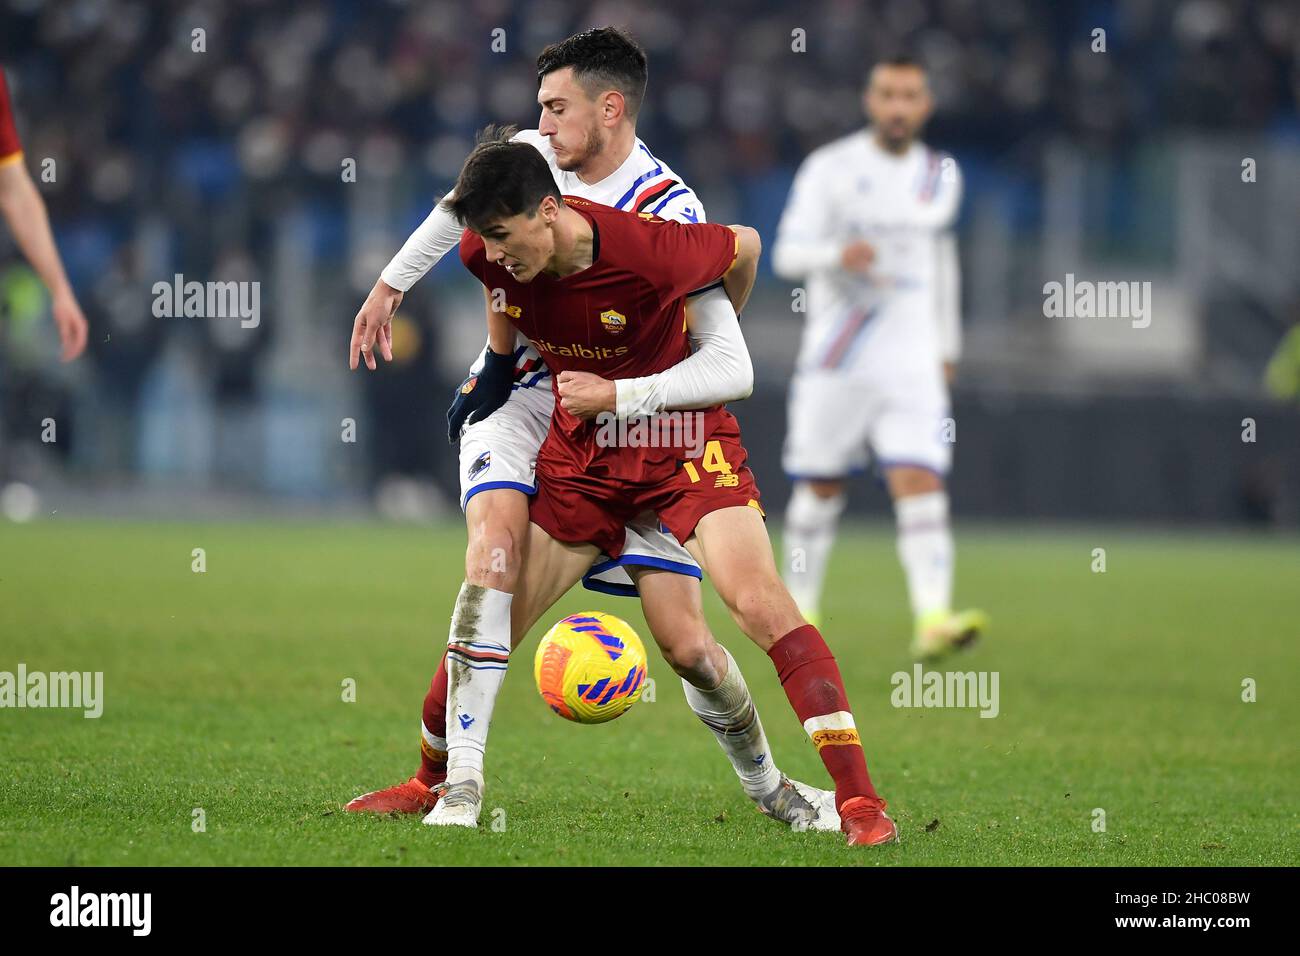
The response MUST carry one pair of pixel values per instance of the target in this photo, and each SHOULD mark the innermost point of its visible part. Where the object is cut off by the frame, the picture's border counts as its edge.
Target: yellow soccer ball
(590, 667)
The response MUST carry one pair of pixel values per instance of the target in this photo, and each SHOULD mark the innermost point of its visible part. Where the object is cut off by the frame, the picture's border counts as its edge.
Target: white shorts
(501, 452)
(837, 424)
(646, 544)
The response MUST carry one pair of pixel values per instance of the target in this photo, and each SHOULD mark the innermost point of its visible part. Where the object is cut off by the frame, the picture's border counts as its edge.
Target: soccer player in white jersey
(868, 226)
(590, 87)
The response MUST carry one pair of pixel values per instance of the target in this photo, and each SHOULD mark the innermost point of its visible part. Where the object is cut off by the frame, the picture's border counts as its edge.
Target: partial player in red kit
(599, 293)
(11, 150)
(24, 210)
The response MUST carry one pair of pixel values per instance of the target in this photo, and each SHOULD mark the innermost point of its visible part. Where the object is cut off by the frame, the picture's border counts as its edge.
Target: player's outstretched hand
(585, 395)
(373, 327)
(482, 393)
(71, 323)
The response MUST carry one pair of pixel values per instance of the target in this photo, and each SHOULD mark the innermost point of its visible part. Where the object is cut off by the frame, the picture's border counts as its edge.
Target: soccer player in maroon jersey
(590, 88)
(599, 293)
(24, 210)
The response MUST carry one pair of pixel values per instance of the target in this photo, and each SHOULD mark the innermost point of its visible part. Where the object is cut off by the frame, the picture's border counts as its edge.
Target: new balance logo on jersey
(499, 304)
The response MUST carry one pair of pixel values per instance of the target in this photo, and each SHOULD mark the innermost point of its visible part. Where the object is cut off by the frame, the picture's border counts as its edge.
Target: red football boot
(865, 822)
(410, 797)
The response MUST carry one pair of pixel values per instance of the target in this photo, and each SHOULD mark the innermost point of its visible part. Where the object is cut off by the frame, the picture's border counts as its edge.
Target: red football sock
(811, 679)
(433, 760)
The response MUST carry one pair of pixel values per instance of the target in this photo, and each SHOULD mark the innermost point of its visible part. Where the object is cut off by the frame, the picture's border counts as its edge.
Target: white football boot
(801, 806)
(459, 806)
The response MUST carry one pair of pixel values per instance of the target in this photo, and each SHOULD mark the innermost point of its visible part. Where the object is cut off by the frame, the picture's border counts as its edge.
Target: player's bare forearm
(739, 279)
(24, 210)
(719, 370)
(739, 284)
(384, 298)
(501, 333)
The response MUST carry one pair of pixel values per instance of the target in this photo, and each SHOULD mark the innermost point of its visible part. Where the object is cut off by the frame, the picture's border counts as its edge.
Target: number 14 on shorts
(714, 462)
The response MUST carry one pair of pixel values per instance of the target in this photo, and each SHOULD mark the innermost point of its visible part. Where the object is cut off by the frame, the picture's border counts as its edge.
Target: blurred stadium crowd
(140, 122)
(226, 163)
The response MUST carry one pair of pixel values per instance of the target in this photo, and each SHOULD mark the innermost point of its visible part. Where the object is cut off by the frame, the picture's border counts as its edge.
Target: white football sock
(809, 535)
(478, 648)
(925, 550)
(729, 712)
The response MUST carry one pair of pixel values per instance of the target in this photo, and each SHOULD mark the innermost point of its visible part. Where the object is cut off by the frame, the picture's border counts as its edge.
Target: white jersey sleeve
(718, 371)
(432, 239)
(942, 212)
(805, 238)
(440, 232)
(947, 270)
(947, 293)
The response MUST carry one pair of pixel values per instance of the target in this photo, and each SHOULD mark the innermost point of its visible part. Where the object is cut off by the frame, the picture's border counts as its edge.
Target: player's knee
(493, 556)
(907, 481)
(812, 509)
(684, 640)
(690, 659)
(825, 490)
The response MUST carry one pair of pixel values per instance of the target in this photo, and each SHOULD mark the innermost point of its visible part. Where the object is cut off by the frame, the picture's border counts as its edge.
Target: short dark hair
(500, 179)
(900, 58)
(603, 59)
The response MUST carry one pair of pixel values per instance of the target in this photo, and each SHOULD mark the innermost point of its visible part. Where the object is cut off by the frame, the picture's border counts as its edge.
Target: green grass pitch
(1119, 691)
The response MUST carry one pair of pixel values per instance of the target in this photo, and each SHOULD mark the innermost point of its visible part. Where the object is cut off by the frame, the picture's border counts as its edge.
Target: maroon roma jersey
(623, 316)
(10, 149)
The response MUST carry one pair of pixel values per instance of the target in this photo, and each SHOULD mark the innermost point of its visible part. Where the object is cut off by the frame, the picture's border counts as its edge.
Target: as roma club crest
(614, 322)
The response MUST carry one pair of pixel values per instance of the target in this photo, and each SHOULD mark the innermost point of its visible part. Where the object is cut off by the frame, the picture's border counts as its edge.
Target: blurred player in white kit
(868, 226)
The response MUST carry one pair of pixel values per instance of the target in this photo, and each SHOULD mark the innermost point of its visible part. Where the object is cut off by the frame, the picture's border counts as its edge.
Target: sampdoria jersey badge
(481, 464)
